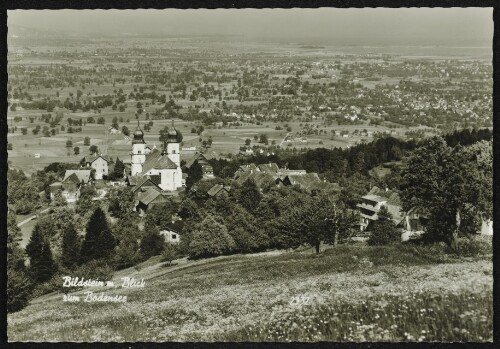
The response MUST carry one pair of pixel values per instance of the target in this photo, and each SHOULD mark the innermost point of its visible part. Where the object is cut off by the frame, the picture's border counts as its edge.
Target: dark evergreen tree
(118, 169)
(99, 242)
(195, 173)
(384, 231)
(42, 266)
(19, 285)
(70, 253)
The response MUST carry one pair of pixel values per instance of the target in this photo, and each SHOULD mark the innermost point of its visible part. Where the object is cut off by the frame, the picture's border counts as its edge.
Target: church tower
(138, 151)
(172, 146)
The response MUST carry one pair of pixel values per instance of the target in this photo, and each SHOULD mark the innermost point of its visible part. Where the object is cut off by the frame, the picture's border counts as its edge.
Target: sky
(441, 24)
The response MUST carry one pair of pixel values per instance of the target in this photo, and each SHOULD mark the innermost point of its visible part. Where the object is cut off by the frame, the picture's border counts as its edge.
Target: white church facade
(165, 164)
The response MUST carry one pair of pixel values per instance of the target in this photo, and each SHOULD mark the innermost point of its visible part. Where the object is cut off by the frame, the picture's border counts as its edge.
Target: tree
(59, 200)
(210, 239)
(169, 253)
(70, 254)
(160, 215)
(127, 252)
(188, 210)
(99, 243)
(151, 242)
(249, 195)
(120, 201)
(118, 169)
(263, 139)
(42, 265)
(19, 287)
(384, 230)
(248, 141)
(76, 150)
(86, 141)
(93, 149)
(452, 184)
(125, 130)
(195, 173)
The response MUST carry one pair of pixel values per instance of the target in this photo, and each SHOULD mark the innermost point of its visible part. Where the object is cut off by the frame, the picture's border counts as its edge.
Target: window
(138, 152)
(174, 236)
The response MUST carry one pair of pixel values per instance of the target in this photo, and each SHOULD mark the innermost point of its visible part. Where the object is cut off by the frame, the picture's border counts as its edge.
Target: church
(164, 166)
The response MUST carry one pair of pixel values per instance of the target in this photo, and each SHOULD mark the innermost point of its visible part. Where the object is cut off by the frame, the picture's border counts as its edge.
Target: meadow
(347, 293)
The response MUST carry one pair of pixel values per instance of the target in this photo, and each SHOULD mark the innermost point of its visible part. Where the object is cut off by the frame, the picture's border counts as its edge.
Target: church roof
(157, 161)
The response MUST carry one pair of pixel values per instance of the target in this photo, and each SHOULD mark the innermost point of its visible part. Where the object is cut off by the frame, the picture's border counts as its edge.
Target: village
(252, 189)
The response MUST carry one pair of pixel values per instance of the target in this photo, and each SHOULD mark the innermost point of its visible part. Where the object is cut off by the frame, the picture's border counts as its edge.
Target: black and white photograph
(250, 175)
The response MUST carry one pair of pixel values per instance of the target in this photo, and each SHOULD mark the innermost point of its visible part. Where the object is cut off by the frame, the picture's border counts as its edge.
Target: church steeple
(138, 135)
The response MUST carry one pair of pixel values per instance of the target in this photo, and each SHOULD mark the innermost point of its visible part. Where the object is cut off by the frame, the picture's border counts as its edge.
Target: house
(203, 159)
(244, 168)
(307, 181)
(218, 189)
(171, 236)
(147, 198)
(100, 164)
(71, 184)
(142, 184)
(371, 204)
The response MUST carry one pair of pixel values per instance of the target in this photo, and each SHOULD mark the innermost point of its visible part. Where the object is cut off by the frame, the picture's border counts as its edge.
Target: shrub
(472, 246)
(18, 289)
(210, 240)
(169, 253)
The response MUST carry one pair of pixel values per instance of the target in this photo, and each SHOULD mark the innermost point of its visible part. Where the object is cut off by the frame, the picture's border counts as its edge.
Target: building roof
(81, 175)
(92, 158)
(155, 160)
(148, 196)
(145, 181)
(270, 167)
(216, 189)
(306, 181)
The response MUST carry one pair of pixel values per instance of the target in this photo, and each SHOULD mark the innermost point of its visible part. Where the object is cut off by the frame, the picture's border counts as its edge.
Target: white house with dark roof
(372, 202)
(99, 163)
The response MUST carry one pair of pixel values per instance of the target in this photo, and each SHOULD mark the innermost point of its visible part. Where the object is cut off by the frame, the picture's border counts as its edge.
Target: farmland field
(349, 293)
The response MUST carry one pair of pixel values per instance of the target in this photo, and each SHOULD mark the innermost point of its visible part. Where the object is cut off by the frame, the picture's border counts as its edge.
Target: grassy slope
(249, 298)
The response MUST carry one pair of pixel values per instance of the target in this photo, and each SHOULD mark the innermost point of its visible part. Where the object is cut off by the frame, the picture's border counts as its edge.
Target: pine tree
(118, 170)
(42, 266)
(195, 173)
(70, 248)
(19, 285)
(99, 242)
(384, 230)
